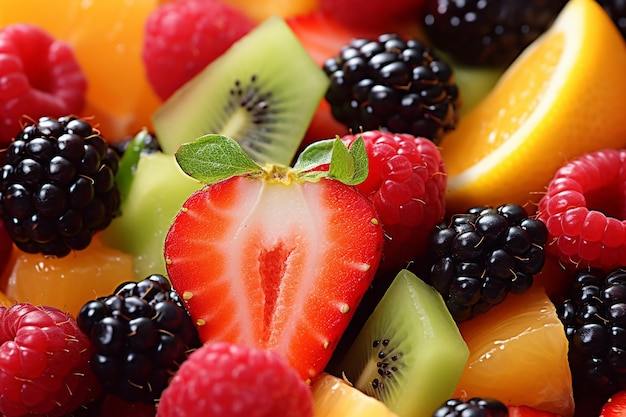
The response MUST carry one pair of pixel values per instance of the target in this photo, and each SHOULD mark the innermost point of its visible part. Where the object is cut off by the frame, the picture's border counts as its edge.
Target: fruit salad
(312, 208)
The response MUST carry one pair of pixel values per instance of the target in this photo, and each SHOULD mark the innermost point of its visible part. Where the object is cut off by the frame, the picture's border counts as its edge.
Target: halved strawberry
(275, 257)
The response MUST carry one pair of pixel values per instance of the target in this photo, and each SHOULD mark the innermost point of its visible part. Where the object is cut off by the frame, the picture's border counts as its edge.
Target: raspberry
(39, 77)
(44, 369)
(406, 183)
(183, 37)
(141, 334)
(487, 32)
(57, 186)
(392, 84)
(584, 211)
(479, 257)
(593, 313)
(222, 379)
(474, 407)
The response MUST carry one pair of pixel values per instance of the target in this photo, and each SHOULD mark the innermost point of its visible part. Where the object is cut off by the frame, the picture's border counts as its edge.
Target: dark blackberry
(487, 32)
(481, 256)
(141, 334)
(57, 186)
(473, 407)
(594, 316)
(392, 84)
(616, 9)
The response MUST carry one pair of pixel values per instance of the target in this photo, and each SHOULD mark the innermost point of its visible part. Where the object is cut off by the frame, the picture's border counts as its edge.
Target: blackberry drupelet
(141, 334)
(487, 32)
(481, 256)
(57, 186)
(594, 316)
(473, 407)
(616, 9)
(392, 84)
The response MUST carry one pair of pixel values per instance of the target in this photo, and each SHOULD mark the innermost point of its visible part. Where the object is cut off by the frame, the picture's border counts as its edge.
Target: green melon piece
(409, 354)
(157, 192)
(262, 92)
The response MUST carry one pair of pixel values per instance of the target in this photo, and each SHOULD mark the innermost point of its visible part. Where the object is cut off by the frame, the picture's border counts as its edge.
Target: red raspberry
(406, 183)
(584, 211)
(39, 76)
(44, 367)
(183, 37)
(221, 379)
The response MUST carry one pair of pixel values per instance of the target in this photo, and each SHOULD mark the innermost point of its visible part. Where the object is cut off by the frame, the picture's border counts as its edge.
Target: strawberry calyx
(213, 158)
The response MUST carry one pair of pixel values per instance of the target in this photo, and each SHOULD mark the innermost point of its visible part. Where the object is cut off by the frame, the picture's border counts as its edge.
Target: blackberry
(487, 32)
(57, 186)
(594, 316)
(141, 334)
(481, 256)
(616, 9)
(392, 84)
(473, 407)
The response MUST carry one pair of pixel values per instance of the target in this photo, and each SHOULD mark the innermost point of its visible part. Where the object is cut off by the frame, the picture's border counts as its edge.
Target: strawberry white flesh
(274, 265)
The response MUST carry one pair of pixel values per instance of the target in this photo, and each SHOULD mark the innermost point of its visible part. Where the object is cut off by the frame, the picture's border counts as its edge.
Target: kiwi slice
(262, 92)
(409, 354)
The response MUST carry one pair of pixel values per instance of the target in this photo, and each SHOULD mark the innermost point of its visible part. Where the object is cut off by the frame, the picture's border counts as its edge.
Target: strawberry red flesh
(274, 265)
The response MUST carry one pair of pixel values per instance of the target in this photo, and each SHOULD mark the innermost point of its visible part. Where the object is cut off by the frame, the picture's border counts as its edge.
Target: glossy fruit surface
(585, 211)
(195, 32)
(222, 379)
(549, 106)
(44, 367)
(107, 36)
(274, 257)
(336, 397)
(518, 354)
(67, 282)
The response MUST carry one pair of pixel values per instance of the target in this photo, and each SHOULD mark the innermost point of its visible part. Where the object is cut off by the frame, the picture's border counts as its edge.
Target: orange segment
(518, 354)
(69, 282)
(562, 97)
(107, 36)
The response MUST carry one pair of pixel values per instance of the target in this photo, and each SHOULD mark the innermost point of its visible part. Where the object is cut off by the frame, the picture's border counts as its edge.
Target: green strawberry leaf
(213, 158)
(356, 162)
(315, 155)
(128, 163)
(349, 166)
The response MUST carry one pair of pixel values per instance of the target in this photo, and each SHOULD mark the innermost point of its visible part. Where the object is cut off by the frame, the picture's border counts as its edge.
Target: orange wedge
(518, 354)
(562, 97)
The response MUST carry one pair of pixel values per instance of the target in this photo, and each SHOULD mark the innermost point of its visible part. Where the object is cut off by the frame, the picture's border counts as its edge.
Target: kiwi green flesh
(409, 354)
(158, 190)
(262, 92)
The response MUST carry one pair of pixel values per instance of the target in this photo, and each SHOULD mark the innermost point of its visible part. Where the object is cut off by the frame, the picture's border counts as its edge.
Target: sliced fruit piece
(107, 38)
(549, 106)
(409, 354)
(518, 354)
(335, 397)
(156, 193)
(262, 92)
(66, 283)
(195, 32)
(262, 10)
(274, 257)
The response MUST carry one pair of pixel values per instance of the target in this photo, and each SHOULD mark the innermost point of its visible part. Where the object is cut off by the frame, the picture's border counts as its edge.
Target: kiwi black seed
(262, 92)
(410, 353)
